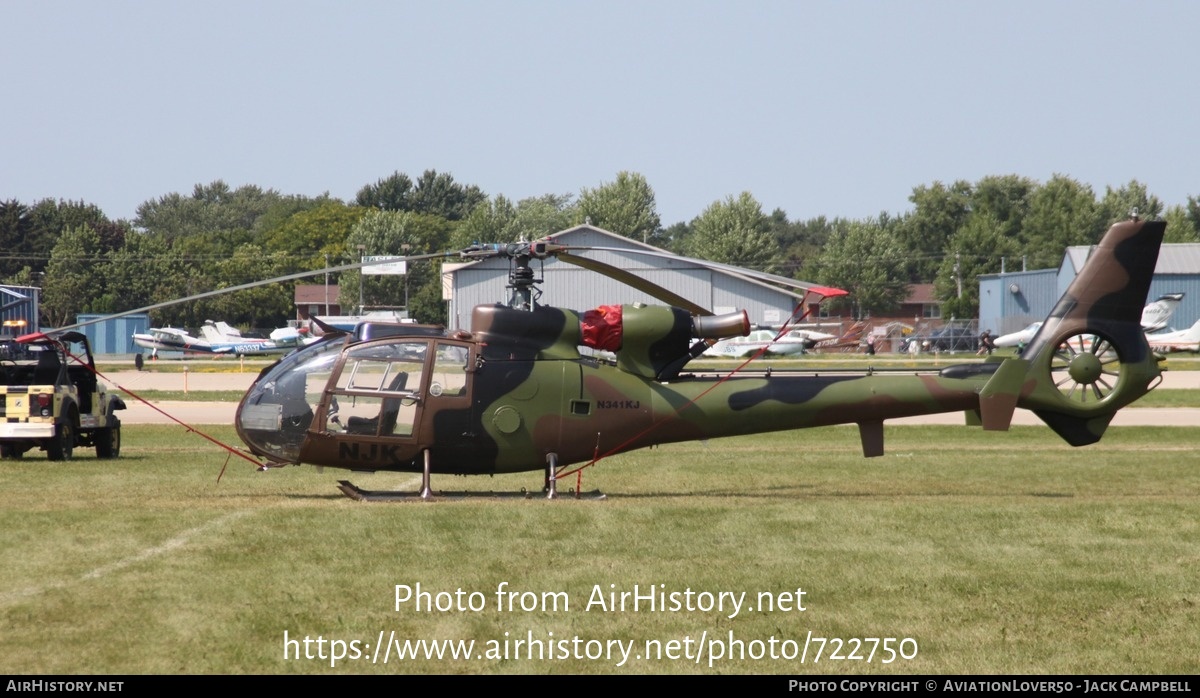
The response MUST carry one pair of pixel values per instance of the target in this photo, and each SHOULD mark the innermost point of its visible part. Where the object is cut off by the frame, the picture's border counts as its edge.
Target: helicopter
(515, 393)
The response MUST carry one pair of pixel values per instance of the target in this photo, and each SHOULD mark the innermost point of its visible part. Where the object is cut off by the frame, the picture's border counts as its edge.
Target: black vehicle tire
(62, 446)
(108, 442)
(11, 452)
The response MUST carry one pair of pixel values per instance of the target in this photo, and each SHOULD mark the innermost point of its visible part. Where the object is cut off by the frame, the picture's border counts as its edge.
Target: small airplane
(1176, 341)
(219, 338)
(791, 343)
(1155, 316)
(516, 393)
(1019, 338)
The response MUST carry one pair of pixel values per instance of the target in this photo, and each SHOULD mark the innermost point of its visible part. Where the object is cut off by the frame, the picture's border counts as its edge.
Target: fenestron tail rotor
(1086, 368)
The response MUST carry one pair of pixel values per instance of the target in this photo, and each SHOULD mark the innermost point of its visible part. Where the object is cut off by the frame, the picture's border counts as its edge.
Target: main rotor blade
(634, 281)
(747, 274)
(256, 284)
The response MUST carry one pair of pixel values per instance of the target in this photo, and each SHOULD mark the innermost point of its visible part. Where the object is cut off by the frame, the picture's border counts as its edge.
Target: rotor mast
(522, 283)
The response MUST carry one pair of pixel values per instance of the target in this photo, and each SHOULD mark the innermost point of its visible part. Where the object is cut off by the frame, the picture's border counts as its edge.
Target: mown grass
(995, 552)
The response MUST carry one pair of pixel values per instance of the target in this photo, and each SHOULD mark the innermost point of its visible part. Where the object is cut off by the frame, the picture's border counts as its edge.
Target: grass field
(989, 552)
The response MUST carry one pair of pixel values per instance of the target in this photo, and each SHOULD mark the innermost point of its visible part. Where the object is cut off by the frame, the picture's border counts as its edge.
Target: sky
(836, 109)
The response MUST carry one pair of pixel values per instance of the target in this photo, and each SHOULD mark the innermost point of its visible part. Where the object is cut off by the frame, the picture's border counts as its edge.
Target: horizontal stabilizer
(1077, 431)
(998, 399)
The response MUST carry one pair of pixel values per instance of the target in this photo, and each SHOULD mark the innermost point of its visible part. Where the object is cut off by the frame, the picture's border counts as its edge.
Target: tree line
(218, 237)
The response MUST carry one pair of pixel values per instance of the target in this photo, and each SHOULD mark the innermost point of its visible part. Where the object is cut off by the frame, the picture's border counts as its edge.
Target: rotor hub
(1085, 368)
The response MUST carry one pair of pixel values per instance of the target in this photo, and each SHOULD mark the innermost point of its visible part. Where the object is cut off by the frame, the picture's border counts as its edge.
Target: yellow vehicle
(54, 402)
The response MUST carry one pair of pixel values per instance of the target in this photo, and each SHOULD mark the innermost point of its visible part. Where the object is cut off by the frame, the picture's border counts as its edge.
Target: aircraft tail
(210, 333)
(1090, 357)
(1157, 315)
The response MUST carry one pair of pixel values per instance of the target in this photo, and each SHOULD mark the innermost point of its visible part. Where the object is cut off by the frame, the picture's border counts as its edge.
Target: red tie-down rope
(230, 449)
(818, 293)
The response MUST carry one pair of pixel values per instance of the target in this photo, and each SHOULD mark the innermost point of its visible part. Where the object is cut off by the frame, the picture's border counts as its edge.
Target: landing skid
(354, 492)
(426, 493)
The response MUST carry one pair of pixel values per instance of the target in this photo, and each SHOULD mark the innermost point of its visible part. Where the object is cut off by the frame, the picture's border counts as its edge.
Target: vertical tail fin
(1090, 357)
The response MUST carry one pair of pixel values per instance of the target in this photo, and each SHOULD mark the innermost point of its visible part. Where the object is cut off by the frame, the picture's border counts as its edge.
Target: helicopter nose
(270, 428)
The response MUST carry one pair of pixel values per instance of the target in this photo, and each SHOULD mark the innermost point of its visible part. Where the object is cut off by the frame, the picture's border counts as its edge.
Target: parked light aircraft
(1181, 340)
(790, 344)
(220, 338)
(1154, 317)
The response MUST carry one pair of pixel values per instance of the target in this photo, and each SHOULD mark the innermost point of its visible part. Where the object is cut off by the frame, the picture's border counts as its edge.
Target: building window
(931, 311)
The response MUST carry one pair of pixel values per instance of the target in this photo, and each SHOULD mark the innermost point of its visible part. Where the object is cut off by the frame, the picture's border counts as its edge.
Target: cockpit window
(384, 368)
(379, 390)
(449, 371)
(279, 407)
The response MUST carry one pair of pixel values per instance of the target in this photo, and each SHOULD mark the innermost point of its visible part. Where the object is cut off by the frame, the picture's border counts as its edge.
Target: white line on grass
(172, 544)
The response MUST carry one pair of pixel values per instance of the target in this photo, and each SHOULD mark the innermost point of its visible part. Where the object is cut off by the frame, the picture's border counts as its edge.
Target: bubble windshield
(279, 407)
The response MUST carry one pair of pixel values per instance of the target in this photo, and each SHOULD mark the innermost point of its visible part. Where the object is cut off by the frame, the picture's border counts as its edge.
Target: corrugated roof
(1173, 258)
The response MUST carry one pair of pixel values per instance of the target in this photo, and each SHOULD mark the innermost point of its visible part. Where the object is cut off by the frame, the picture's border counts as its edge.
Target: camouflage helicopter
(515, 393)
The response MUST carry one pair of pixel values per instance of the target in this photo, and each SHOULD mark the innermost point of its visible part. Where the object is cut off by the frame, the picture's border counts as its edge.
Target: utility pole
(362, 279)
(957, 273)
(405, 249)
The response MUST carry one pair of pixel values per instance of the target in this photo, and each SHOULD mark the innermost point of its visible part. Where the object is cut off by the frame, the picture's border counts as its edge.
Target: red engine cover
(601, 328)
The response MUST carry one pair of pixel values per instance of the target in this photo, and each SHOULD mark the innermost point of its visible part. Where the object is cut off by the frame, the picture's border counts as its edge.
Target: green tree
(433, 193)
(270, 305)
(210, 208)
(1062, 213)
(29, 233)
(1180, 226)
(388, 194)
(499, 220)
(485, 223)
(309, 235)
(733, 231)
(1123, 203)
(1193, 211)
(283, 208)
(801, 241)
(437, 194)
(75, 277)
(399, 233)
(138, 274)
(625, 206)
(868, 260)
(1004, 199)
(977, 248)
(938, 212)
(15, 227)
(676, 237)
